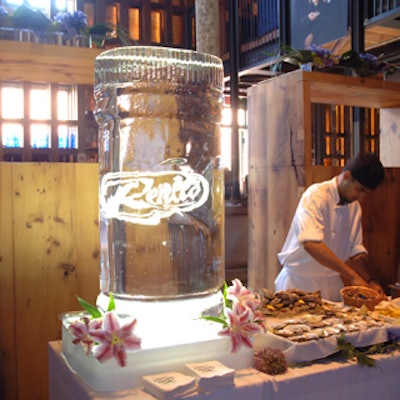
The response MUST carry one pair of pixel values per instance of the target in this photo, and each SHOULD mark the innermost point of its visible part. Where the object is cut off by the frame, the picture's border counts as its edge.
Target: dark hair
(367, 169)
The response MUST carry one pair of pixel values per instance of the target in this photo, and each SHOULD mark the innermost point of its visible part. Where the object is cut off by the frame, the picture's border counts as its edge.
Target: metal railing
(259, 26)
(378, 7)
(258, 31)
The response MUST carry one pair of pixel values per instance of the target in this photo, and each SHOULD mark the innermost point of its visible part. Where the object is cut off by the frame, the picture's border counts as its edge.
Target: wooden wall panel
(55, 246)
(8, 388)
(87, 231)
(23, 61)
(381, 224)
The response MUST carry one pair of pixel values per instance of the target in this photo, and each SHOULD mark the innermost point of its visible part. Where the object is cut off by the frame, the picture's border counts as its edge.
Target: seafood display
(314, 327)
(290, 302)
(301, 316)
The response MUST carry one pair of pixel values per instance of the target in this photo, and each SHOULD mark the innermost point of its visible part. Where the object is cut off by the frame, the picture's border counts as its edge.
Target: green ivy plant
(362, 355)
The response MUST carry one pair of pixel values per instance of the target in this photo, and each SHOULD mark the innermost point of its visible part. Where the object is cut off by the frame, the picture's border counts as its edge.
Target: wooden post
(276, 176)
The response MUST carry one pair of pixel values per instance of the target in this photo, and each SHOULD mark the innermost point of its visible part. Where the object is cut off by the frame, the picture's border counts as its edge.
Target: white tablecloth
(320, 381)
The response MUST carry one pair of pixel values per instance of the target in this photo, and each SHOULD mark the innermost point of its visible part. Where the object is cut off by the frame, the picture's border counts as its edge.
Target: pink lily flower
(259, 318)
(114, 339)
(241, 327)
(240, 294)
(80, 331)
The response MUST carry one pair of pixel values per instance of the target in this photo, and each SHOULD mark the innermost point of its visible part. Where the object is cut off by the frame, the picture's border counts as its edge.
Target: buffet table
(328, 380)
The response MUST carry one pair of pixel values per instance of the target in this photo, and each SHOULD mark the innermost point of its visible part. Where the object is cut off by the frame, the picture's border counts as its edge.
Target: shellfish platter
(306, 327)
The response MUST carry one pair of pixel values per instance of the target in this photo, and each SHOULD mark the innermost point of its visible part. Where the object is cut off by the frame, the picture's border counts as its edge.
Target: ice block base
(109, 376)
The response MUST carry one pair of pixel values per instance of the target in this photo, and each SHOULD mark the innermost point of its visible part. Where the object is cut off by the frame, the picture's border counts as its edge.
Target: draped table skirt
(327, 380)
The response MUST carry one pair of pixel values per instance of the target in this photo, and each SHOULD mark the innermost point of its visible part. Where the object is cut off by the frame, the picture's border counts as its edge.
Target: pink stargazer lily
(240, 294)
(115, 339)
(241, 327)
(80, 331)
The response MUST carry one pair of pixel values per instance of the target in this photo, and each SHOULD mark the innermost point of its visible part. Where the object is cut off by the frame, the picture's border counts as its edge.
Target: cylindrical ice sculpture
(161, 183)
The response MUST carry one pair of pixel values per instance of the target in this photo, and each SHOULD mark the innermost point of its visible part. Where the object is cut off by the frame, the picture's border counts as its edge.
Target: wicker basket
(357, 296)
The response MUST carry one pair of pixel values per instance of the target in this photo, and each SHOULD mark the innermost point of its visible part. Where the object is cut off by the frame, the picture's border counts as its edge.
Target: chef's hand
(376, 286)
(355, 280)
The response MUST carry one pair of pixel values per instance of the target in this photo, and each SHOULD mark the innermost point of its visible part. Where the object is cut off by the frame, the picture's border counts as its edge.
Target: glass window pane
(62, 109)
(72, 5)
(157, 26)
(242, 117)
(42, 4)
(226, 119)
(112, 14)
(67, 137)
(177, 30)
(61, 5)
(66, 103)
(193, 29)
(40, 136)
(40, 102)
(226, 157)
(12, 101)
(134, 23)
(12, 135)
(15, 2)
(88, 9)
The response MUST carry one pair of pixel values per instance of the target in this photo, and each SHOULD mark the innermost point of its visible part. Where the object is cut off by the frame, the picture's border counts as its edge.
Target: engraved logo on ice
(147, 198)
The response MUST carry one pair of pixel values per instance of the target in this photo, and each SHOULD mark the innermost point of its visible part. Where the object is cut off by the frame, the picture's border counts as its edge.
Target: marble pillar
(207, 26)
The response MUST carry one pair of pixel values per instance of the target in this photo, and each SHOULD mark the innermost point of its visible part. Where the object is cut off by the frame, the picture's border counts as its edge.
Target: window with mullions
(31, 111)
(341, 131)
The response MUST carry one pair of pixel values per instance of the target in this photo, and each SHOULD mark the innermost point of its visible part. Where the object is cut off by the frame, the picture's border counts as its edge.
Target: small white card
(210, 369)
(169, 385)
(212, 375)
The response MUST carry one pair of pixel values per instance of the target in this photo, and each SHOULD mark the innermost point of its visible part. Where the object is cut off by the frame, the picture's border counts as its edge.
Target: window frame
(54, 152)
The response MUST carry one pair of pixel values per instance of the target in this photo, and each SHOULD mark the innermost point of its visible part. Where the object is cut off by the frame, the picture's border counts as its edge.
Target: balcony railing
(261, 27)
(258, 31)
(380, 7)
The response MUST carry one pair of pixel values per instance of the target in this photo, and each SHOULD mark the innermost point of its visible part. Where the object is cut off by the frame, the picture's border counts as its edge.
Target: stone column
(389, 141)
(207, 26)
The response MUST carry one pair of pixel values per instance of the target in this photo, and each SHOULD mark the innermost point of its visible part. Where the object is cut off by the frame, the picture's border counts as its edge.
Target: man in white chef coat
(324, 248)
